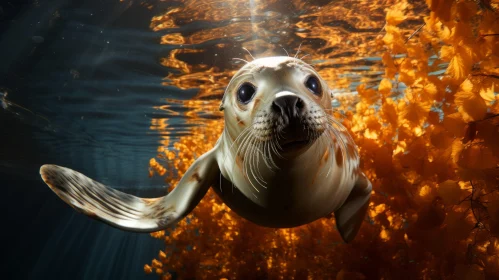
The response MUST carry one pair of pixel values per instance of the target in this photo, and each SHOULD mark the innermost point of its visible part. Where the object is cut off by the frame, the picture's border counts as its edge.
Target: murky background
(98, 86)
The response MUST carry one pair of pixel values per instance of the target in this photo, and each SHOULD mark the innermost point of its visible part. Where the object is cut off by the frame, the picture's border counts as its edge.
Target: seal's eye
(313, 84)
(245, 93)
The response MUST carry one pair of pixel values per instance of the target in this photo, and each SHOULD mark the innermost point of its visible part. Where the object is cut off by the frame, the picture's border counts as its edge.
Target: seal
(281, 161)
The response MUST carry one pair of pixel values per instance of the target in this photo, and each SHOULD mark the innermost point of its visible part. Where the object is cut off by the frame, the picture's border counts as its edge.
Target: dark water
(86, 75)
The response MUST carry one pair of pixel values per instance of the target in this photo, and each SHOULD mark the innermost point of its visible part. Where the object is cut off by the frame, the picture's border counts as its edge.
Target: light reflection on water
(110, 72)
(337, 38)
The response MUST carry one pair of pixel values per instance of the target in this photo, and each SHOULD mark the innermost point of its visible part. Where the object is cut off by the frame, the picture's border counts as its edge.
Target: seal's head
(277, 100)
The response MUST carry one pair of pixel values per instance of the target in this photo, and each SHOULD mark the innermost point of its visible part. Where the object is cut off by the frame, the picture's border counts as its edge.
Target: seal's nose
(290, 105)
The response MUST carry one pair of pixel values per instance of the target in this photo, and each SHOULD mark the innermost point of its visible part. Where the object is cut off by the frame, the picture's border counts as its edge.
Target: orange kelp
(427, 135)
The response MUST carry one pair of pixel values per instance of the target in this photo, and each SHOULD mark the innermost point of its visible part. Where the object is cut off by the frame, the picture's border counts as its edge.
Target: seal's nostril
(300, 104)
(291, 106)
(276, 108)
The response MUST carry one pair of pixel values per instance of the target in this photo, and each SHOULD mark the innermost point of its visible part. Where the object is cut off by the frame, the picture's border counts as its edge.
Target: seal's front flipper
(126, 211)
(350, 215)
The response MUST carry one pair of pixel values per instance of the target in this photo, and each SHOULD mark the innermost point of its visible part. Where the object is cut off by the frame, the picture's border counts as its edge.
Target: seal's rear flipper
(351, 214)
(126, 211)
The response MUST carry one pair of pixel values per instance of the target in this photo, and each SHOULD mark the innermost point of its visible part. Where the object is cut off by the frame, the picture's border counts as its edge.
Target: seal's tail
(126, 211)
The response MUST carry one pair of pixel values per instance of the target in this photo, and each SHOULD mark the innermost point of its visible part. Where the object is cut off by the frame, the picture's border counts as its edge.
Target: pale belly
(304, 188)
(288, 201)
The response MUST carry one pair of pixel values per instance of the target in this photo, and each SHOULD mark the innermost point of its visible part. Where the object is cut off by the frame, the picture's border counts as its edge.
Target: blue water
(82, 80)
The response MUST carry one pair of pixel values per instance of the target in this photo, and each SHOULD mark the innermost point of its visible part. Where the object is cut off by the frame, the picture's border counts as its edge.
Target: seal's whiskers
(249, 53)
(298, 51)
(285, 51)
(240, 59)
(253, 162)
(245, 170)
(241, 136)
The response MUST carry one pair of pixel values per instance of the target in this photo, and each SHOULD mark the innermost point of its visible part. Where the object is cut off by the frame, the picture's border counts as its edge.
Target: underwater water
(122, 91)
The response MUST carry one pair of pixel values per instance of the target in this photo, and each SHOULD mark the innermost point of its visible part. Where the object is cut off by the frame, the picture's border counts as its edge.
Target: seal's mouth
(295, 137)
(294, 144)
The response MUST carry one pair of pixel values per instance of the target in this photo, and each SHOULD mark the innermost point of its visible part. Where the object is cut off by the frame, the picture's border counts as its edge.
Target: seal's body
(282, 161)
